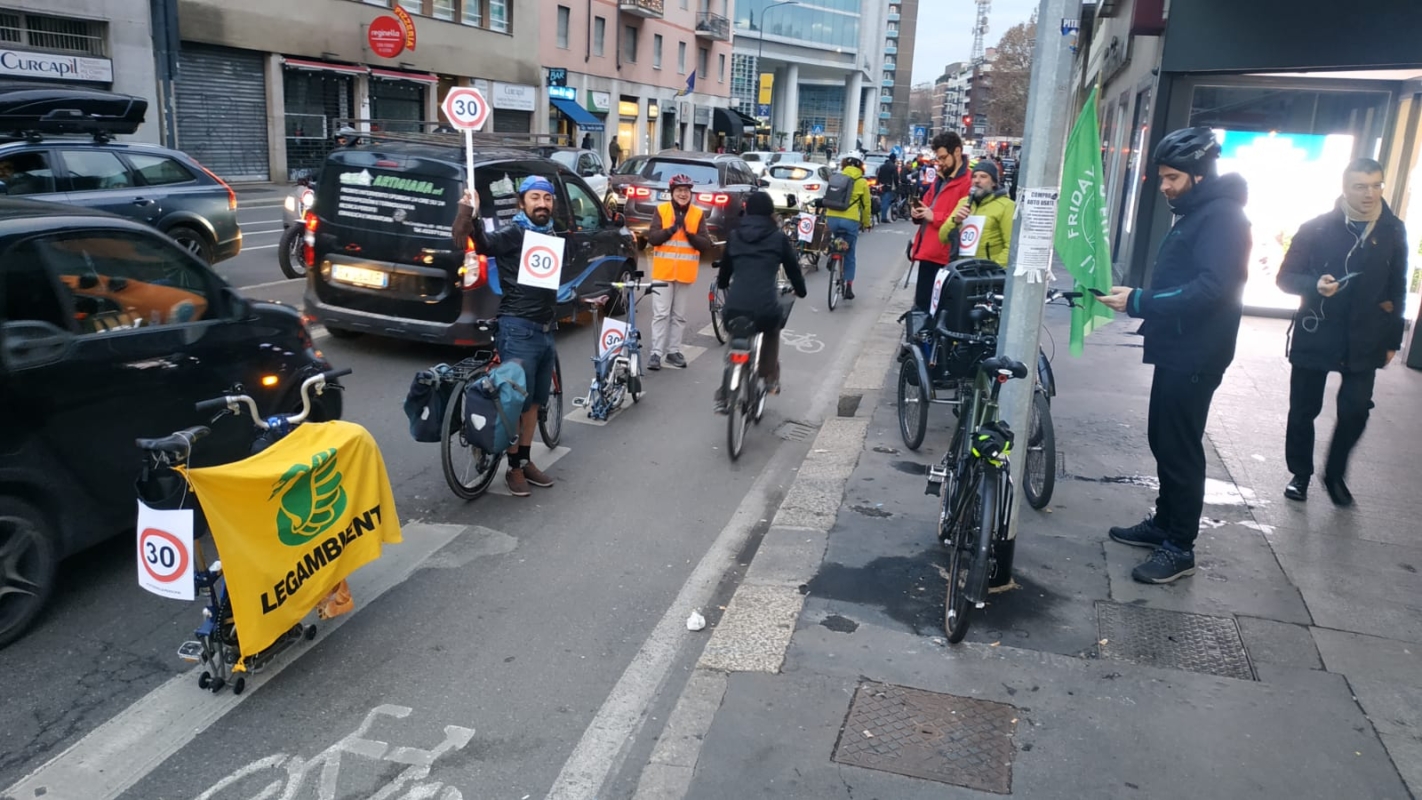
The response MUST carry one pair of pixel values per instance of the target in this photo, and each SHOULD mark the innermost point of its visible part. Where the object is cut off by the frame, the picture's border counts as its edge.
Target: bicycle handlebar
(234, 402)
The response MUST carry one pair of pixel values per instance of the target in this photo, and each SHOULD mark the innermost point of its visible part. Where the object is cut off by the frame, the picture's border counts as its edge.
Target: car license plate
(360, 276)
(664, 196)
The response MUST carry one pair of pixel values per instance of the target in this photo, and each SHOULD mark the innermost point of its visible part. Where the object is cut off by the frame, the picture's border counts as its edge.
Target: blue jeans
(848, 230)
(531, 345)
(886, 202)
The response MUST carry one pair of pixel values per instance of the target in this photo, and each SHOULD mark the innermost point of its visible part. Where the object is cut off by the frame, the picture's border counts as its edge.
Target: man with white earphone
(1350, 268)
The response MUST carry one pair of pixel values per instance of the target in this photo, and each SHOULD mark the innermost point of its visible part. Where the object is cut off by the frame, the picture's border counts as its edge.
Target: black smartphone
(1097, 292)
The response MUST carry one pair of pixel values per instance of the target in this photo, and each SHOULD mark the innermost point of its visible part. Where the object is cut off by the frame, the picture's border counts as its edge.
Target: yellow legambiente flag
(295, 520)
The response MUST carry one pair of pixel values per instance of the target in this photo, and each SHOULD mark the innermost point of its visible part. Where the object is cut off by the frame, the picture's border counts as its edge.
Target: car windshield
(791, 172)
(631, 167)
(567, 158)
(663, 171)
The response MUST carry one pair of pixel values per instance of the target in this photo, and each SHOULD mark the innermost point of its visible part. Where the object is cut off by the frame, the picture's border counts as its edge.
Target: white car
(799, 179)
(586, 164)
(758, 160)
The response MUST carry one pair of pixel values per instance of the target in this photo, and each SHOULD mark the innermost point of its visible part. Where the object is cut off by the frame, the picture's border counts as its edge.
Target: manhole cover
(1172, 639)
(795, 432)
(937, 737)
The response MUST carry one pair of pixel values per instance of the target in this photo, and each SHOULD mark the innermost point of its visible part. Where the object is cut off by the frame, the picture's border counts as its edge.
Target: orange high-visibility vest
(677, 260)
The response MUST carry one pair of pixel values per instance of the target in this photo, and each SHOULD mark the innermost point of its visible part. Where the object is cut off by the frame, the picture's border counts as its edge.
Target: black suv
(382, 258)
(723, 182)
(56, 145)
(110, 331)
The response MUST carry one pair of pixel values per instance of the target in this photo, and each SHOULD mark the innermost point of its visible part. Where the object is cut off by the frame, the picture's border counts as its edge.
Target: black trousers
(1179, 406)
(923, 290)
(1355, 401)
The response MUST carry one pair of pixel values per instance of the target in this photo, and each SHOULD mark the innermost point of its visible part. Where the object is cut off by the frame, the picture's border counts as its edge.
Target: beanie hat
(990, 169)
(759, 204)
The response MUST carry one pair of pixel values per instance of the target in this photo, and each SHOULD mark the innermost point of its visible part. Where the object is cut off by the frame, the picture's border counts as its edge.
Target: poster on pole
(1037, 221)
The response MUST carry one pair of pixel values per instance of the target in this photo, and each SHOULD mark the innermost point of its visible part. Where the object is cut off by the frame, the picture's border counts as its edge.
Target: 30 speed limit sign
(540, 265)
(165, 552)
(466, 108)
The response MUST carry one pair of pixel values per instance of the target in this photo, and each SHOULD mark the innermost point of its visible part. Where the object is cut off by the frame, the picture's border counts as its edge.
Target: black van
(382, 259)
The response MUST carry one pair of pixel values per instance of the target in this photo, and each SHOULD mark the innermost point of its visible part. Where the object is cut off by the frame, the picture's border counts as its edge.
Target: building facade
(950, 98)
(99, 44)
(263, 84)
(900, 36)
(620, 69)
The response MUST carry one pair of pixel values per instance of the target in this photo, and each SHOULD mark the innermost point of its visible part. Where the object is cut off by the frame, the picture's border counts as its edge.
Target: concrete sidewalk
(1290, 665)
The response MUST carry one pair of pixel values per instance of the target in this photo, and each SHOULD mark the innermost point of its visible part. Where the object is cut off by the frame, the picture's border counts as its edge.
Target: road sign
(540, 265)
(818, 130)
(763, 111)
(614, 333)
(466, 108)
(165, 547)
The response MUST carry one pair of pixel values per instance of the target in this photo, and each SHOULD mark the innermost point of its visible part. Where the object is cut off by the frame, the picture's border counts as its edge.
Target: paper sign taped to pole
(970, 235)
(541, 263)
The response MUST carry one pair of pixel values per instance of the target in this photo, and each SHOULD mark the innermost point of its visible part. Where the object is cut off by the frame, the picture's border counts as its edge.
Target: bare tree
(1011, 75)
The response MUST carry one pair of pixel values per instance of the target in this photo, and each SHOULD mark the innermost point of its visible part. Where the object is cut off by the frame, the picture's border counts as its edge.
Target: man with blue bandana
(527, 315)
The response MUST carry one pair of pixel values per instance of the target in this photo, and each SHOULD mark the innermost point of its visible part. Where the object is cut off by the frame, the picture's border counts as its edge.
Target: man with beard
(678, 238)
(990, 202)
(1350, 267)
(527, 314)
(939, 199)
(1192, 312)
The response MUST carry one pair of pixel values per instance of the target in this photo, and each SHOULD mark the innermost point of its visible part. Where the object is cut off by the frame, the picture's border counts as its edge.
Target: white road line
(269, 284)
(246, 232)
(245, 248)
(580, 415)
(540, 455)
(121, 752)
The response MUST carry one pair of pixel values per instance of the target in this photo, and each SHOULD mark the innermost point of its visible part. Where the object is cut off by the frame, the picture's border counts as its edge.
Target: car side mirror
(764, 181)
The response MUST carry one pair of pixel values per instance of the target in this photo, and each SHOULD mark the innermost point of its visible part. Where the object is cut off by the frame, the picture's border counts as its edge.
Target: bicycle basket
(970, 281)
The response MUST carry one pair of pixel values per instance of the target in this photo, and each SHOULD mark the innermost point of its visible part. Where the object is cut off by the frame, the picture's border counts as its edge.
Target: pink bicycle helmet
(680, 179)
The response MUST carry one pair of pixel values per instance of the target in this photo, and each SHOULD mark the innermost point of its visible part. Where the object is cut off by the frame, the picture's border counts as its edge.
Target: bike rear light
(308, 242)
(740, 357)
(270, 380)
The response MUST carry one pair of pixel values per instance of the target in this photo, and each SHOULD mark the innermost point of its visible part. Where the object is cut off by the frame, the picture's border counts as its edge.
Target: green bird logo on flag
(1082, 239)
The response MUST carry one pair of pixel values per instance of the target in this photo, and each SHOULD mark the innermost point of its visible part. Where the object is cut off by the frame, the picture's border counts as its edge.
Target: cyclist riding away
(848, 202)
(527, 314)
(755, 254)
(989, 201)
(678, 238)
(889, 182)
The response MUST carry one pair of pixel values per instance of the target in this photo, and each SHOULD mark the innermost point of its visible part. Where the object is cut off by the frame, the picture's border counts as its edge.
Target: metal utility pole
(1043, 142)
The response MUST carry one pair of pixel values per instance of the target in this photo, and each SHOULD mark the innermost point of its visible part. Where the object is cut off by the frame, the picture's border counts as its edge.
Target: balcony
(893, 16)
(713, 26)
(891, 50)
(885, 115)
(888, 83)
(892, 33)
(651, 9)
(890, 66)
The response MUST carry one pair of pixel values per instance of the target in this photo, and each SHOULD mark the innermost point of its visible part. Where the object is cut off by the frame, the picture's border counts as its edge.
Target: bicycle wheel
(550, 416)
(956, 607)
(836, 287)
(737, 419)
(1039, 471)
(913, 404)
(467, 469)
(718, 301)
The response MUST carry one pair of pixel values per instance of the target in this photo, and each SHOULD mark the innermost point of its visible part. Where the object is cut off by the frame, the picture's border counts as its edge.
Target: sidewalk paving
(1290, 665)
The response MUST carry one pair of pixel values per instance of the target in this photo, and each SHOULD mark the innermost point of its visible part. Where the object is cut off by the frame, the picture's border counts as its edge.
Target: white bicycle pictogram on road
(294, 786)
(806, 343)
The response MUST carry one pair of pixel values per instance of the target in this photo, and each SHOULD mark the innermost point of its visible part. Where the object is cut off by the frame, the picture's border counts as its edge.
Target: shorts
(530, 345)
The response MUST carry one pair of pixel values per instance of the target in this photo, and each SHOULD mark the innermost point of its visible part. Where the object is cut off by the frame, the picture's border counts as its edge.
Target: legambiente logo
(312, 499)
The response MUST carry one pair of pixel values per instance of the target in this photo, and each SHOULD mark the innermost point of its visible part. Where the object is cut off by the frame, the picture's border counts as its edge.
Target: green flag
(1081, 237)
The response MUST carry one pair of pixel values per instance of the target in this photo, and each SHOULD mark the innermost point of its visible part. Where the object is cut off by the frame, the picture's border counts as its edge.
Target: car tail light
(475, 272)
(873, 181)
(308, 241)
(231, 195)
(713, 199)
(639, 191)
(812, 187)
(740, 356)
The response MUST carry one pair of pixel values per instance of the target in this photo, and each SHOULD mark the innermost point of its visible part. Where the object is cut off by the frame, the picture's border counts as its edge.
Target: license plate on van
(360, 276)
(664, 196)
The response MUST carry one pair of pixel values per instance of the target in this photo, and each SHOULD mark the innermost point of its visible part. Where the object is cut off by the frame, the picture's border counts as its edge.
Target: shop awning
(724, 120)
(577, 114)
(323, 66)
(746, 120)
(413, 77)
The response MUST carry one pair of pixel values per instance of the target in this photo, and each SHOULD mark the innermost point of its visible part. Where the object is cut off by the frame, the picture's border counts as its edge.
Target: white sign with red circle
(938, 282)
(971, 235)
(165, 552)
(466, 108)
(541, 263)
(613, 334)
(805, 227)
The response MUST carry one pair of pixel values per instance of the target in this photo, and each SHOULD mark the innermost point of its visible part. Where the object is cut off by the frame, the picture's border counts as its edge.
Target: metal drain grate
(1172, 639)
(937, 737)
(795, 431)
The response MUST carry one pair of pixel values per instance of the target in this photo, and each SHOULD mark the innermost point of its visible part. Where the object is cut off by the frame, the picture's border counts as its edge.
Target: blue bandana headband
(535, 183)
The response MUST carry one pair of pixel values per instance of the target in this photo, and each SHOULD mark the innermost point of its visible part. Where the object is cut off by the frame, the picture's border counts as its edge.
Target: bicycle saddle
(998, 363)
(596, 301)
(175, 443)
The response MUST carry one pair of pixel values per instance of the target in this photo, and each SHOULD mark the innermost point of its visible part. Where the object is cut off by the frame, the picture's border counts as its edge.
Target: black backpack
(838, 193)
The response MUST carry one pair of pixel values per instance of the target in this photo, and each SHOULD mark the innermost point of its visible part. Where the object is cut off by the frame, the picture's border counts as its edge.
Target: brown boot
(518, 483)
(536, 476)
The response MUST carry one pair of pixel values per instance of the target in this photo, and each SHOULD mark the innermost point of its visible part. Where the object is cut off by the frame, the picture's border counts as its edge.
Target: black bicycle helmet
(1190, 150)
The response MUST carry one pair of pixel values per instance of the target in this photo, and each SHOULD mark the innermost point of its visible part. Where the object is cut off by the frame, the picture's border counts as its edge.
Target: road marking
(541, 456)
(580, 415)
(246, 232)
(269, 284)
(261, 247)
(121, 752)
(708, 331)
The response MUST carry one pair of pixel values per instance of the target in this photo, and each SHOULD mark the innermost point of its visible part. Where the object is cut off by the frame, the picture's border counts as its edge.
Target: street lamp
(760, 50)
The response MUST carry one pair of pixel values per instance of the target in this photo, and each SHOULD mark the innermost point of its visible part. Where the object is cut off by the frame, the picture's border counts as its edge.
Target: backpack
(493, 403)
(838, 193)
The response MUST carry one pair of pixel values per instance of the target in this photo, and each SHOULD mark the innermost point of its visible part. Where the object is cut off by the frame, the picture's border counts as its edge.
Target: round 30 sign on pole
(467, 110)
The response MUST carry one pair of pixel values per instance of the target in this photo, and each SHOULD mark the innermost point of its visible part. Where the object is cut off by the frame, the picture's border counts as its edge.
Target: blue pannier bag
(493, 403)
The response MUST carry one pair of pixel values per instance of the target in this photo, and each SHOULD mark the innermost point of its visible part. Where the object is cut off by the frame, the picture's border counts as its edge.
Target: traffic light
(968, 121)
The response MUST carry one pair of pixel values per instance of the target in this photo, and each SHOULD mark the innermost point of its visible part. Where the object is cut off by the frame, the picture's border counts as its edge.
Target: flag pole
(1043, 143)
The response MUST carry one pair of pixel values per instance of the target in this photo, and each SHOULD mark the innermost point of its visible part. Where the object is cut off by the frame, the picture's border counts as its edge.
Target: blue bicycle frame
(617, 370)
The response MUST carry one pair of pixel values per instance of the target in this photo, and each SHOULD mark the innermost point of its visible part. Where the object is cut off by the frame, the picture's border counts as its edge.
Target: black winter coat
(1195, 300)
(505, 246)
(1352, 331)
(755, 252)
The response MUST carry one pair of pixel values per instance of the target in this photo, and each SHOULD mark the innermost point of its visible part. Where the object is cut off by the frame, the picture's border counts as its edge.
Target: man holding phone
(936, 206)
(1351, 325)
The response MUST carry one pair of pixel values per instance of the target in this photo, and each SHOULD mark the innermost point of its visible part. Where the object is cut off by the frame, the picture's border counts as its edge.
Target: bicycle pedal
(190, 651)
(936, 477)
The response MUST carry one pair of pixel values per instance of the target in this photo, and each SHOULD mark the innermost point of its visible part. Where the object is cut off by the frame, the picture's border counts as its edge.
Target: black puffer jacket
(1195, 300)
(1353, 330)
(754, 254)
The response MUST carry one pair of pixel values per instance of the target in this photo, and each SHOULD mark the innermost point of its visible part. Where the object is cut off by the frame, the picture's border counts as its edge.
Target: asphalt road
(515, 618)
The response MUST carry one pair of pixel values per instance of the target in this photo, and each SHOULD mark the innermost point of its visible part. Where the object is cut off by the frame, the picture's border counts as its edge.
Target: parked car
(801, 180)
(381, 259)
(626, 174)
(110, 331)
(872, 162)
(56, 145)
(723, 181)
(587, 165)
(759, 160)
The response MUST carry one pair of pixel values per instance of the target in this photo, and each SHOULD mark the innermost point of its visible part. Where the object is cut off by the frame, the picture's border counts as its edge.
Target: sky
(945, 31)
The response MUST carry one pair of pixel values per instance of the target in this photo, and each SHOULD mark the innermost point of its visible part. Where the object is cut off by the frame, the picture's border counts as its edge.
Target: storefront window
(397, 105)
(317, 104)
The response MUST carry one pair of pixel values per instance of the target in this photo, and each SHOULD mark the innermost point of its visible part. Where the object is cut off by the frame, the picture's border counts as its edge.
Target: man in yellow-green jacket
(986, 200)
(847, 203)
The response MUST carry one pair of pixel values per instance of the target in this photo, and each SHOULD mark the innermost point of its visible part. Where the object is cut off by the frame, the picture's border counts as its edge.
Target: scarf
(521, 219)
(1352, 214)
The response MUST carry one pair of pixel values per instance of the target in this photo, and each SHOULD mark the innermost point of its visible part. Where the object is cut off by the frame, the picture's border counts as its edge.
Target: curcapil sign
(22, 64)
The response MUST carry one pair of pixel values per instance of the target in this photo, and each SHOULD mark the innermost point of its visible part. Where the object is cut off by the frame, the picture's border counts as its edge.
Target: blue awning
(577, 114)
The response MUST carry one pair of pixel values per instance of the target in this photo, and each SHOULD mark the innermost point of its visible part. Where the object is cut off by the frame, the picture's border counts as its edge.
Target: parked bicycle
(617, 355)
(468, 468)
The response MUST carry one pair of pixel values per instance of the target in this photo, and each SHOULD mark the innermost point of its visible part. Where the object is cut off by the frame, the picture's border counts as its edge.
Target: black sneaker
(1168, 563)
(1338, 492)
(1297, 488)
(1142, 534)
(676, 360)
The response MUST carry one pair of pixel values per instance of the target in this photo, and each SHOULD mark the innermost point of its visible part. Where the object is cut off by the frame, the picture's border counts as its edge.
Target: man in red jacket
(952, 185)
